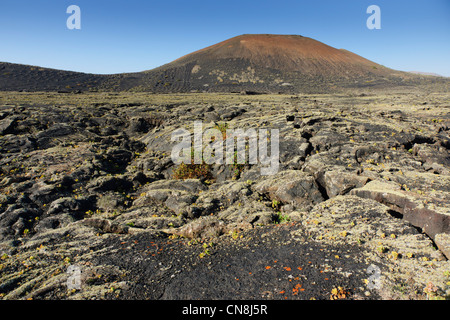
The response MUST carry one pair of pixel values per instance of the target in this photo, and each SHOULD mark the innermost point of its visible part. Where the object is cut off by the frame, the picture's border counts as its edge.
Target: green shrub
(222, 127)
(281, 218)
(193, 170)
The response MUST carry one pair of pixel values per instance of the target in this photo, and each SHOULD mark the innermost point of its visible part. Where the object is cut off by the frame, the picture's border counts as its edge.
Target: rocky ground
(359, 208)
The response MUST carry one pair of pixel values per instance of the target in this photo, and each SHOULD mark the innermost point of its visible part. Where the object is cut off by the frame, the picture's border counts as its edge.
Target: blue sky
(126, 36)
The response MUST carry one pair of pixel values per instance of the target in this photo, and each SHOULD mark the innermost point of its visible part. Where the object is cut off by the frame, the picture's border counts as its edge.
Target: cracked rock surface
(87, 183)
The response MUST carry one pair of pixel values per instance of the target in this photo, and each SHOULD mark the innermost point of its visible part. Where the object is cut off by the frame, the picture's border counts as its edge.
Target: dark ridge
(418, 140)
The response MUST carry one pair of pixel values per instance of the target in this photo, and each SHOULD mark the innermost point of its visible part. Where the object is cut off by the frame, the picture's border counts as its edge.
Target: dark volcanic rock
(432, 221)
(88, 182)
(110, 183)
(105, 226)
(7, 126)
(14, 144)
(291, 187)
(340, 182)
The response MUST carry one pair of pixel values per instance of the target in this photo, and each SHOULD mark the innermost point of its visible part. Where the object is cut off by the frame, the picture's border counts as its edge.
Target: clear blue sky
(126, 36)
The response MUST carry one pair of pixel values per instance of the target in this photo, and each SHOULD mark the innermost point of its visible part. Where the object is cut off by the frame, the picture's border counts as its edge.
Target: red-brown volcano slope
(290, 53)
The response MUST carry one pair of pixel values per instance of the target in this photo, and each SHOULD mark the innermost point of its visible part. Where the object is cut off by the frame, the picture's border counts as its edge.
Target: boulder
(138, 125)
(109, 183)
(75, 207)
(15, 220)
(42, 193)
(7, 126)
(292, 187)
(13, 143)
(203, 227)
(431, 214)
(54, 222)
(338, 182)
(105, 226)
(177, 195)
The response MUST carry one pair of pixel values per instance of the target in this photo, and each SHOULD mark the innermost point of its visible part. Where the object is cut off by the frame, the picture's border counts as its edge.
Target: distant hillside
(426, 73)
(268, 63)
(259, 63)
(17, 77)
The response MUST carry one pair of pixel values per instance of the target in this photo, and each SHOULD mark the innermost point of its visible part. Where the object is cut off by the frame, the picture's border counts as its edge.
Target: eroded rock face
(204, 227)
(430, 214)
(92, 183)
(340, 182)
(442, 240)
(294, 188)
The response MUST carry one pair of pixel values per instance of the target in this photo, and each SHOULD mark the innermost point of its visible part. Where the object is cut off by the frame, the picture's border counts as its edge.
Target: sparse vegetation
(222, 127)
(281, 218)
(193, 171)
(80, 175)
(206, 251)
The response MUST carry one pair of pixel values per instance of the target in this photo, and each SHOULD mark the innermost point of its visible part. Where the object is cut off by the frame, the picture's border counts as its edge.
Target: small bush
(193, 171)
(222, 127)
(281, 218)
